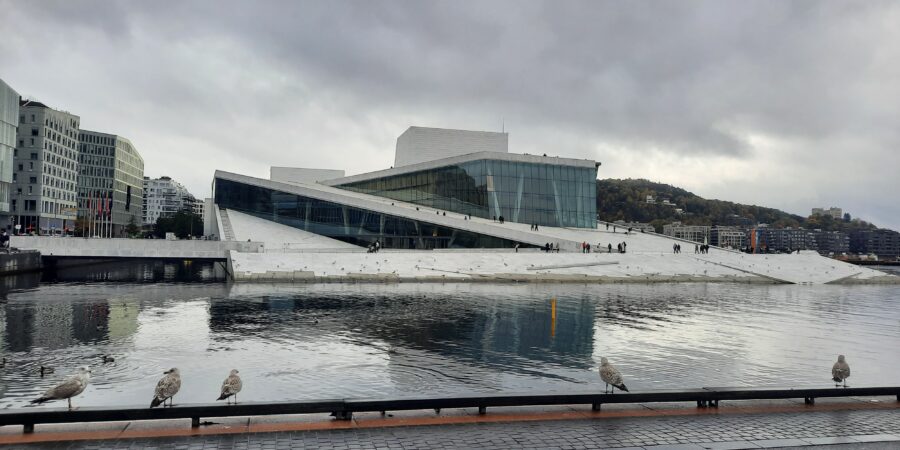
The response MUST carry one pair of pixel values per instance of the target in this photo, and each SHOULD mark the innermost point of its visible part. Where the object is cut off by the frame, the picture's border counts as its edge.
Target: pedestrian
(557, 247)
(517, 247)
(535, 227)
(624, 247)
(696, 248)
(607, 227)
(609, 248)
(674, 248)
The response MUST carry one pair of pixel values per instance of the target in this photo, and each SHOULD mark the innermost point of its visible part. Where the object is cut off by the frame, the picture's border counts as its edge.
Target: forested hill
(627, 200)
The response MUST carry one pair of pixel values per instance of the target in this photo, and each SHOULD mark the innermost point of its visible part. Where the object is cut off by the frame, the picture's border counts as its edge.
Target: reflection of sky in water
(327, 341)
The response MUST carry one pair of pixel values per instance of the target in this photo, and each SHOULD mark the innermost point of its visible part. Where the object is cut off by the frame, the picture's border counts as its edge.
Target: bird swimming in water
(46, 371)
(840, 371)
(167, 387)
(69, 388)
(108, 359)
(611, 376)
(231, 386)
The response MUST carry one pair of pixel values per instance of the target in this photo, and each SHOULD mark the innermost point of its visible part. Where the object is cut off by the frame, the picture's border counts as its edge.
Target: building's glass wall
(543, 194)
(353, 225)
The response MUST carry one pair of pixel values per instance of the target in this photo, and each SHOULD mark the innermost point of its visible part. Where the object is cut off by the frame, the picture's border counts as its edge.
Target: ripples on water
(326, 341)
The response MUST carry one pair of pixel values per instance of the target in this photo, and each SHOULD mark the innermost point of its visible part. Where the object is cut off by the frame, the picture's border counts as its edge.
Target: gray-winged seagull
(840, 371)
(69, 388)
(231, 386)
(167, 387)
(611, 376)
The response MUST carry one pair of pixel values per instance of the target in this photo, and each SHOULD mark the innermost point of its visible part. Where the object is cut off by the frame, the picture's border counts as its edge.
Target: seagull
(231, 386)
(69, 388)
(840, 371)
(167, 387)
(611, 376)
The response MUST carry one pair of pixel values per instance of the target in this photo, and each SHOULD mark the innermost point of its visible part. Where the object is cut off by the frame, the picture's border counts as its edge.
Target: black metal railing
(343, 409)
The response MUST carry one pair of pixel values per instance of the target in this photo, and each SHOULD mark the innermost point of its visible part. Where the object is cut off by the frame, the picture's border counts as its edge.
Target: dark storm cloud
(748, 101)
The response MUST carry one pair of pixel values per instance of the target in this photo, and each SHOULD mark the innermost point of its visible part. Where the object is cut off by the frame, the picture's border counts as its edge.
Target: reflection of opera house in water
(440, 179)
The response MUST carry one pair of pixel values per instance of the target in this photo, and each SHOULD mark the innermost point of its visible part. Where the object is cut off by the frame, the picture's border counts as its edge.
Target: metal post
(595, 406)
(482, 410)
(28, 428)
(195, 422)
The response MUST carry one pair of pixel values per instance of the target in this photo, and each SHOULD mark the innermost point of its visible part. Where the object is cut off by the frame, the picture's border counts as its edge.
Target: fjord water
(376, 340)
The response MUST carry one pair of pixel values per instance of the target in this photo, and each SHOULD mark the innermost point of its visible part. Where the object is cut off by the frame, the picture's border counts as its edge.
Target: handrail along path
(343, 409)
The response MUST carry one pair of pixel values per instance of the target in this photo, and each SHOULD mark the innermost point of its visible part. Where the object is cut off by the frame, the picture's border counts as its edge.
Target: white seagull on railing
(69, 388)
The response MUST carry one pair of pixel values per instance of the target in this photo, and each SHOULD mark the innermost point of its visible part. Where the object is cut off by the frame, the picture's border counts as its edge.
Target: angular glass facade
(544, 194)
(345, 223)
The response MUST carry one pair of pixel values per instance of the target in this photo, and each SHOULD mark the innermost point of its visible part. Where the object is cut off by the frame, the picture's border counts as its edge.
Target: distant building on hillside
(635, 226)
(696, 233)
(881, 242)
(163, 197)
(790, 239)
(727, 237)
(834, 212)
(835, 242)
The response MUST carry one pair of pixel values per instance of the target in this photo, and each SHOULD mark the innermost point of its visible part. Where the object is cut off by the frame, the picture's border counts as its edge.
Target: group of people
(534, 227)
(676, 248)
(374, 247)
(701, 249)
(548, 247)
(498, 219)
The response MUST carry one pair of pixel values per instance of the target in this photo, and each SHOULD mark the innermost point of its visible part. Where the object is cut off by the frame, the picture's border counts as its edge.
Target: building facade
(695, 233)
(163, 197)
(789, 239)
(45, 170)
(881, 242)
(519, 188)
(834, 212)
(832, 242)
(9, 120)
(727, 237)
(110, 184)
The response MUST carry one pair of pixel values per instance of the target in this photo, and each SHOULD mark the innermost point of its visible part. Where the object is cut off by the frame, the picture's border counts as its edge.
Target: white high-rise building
(45, 170)
(9, 120)
(163, 197)
(111, 178)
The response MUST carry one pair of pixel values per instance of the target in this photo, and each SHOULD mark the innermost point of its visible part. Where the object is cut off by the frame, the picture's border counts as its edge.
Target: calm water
(326, 341)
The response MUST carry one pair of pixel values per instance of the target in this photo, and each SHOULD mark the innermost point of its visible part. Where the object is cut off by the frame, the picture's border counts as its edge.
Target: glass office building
(345, 223)
(542, 193)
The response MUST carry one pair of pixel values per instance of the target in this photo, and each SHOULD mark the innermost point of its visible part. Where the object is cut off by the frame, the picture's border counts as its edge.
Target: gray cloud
(786, 104)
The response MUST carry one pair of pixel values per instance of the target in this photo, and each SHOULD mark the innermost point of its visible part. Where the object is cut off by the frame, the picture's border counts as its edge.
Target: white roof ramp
(511, 231)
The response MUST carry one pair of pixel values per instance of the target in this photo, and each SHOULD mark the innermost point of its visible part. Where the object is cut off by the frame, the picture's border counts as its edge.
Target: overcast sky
(784, 104)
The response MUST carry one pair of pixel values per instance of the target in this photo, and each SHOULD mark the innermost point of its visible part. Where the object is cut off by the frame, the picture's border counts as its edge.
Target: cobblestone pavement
(725, 431)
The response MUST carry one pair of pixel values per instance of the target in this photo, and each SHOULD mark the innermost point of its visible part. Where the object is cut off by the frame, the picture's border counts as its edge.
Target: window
(34, 131)
(30, 165)
(15, 176)
(15, 153)
(34, 156)
(32, 118)
(30, 190)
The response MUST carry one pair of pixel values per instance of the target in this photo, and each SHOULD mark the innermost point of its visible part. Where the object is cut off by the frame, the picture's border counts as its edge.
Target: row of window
(544, 194)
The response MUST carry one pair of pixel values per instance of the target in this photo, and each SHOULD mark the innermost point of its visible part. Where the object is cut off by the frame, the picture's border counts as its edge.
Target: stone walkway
(858, 428)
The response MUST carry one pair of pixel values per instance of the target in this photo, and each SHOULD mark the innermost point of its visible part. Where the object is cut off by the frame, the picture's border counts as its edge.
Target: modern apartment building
(164, 197)
(110, 184)
(882, 242)
(832, 242)
(9, 120)
(695, 233)
(727, 237)
(45, 170)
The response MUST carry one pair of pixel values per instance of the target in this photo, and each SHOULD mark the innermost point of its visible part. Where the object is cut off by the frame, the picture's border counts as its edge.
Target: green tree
(183, 223)
(132, 229)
